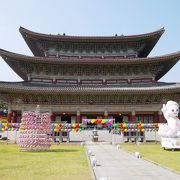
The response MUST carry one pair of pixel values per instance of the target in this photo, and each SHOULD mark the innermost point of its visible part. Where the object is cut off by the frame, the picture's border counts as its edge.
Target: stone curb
(90, 167)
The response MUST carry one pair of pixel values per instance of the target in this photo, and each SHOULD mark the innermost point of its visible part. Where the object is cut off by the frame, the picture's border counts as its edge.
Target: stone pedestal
(95, 138)
(95, 135)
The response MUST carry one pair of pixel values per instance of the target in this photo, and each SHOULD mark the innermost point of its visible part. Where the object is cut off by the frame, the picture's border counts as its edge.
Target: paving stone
(116, 164)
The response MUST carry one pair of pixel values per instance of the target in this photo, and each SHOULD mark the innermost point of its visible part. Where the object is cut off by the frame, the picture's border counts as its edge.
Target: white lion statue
(172, 128)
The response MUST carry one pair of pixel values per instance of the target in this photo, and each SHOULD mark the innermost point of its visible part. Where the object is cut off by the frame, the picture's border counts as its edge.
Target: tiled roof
(26, 87)
(28, 33)
(53, 60)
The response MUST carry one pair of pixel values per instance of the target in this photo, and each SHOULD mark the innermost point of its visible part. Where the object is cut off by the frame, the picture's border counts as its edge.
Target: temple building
(78, 77)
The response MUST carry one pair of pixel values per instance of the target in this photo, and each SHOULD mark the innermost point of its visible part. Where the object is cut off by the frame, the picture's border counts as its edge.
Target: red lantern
(77, 125)
(156, 125)
(99, 121)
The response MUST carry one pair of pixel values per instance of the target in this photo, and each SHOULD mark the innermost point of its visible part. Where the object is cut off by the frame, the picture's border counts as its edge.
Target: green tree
(3, 108)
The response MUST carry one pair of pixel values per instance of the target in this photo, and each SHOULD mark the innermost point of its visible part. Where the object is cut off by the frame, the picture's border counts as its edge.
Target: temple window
(72, 81)
(76, 52)
(130, 50)
(91, 81)
(121, 52)
(146, 80)
(36, 80)
(117, 81)
(42, 80)
(91, 52)
(145, 118)
(47, 80)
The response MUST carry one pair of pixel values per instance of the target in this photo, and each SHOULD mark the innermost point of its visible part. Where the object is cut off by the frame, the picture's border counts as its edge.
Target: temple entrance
(147, 117)
(66, 118)
(91, 116)
(120, 117)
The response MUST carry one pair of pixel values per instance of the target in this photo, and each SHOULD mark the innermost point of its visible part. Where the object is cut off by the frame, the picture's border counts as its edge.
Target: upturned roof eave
(19, 57)
(9, 57)
(27, 33)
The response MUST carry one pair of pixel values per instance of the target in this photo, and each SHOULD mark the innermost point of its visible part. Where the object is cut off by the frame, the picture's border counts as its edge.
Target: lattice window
(46, 80)
(72, 81)
(60, 81)
(145, 69)
(79, 70)
(117, 81)
(54, 99)
(135, 70)
(82, 99)
(91, 81)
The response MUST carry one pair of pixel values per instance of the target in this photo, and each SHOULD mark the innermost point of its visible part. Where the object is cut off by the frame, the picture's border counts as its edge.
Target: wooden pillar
(9, 115)
(14, 117)
(78, 117)
(29, 77)
(161, 117)
(105, 115)
(133, 116)
(156, 118)
(52, 117)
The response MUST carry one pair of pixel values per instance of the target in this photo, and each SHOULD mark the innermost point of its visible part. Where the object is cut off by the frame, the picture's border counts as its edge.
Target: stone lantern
(95, 135)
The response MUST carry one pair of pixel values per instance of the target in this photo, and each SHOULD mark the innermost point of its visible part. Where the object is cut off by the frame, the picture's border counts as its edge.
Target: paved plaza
(116, 164)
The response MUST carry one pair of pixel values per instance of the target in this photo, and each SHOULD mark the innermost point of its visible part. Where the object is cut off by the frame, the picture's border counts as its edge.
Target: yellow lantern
(103, 121)
(74, 125)
(142, 125)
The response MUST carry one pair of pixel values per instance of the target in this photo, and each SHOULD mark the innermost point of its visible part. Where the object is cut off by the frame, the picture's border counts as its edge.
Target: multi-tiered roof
(89, 65)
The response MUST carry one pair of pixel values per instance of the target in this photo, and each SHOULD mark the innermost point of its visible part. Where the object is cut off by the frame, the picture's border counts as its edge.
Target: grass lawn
(155, 153)
(63, 162)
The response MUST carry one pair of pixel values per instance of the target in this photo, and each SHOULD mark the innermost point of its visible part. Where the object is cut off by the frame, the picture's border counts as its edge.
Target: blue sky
(89, 17)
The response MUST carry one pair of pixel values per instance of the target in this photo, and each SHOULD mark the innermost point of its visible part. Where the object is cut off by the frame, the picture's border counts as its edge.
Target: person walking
(109, 127)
